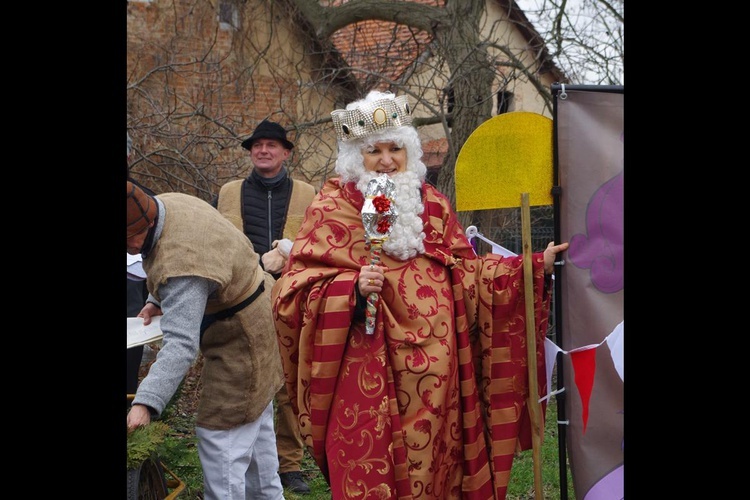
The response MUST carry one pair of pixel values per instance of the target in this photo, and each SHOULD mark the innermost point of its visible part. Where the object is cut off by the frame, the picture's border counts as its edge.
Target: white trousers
(241, 463)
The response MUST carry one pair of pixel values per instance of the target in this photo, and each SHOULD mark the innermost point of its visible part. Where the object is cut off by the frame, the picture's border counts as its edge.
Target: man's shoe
(293, 482)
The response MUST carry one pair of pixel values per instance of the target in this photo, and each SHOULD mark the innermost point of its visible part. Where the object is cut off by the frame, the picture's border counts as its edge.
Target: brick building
(201, 75)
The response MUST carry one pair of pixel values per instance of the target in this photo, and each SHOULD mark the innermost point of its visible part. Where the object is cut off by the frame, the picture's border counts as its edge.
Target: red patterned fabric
(433, 404)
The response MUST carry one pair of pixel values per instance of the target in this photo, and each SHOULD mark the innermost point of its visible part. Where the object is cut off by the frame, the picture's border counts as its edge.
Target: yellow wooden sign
(507, 155)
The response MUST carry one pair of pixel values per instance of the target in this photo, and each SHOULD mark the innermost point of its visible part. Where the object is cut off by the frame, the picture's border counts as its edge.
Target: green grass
(180, 455)
(521, 485)
(180, 450)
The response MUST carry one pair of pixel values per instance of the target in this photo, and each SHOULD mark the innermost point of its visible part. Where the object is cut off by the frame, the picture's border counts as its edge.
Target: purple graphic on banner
(610, 487)
(602, 249)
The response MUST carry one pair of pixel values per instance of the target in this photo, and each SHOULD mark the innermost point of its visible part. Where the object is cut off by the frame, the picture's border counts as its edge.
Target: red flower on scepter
(381, 204)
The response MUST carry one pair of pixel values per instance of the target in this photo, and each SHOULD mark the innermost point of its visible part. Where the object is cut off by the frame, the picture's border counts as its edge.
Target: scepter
(378, 216)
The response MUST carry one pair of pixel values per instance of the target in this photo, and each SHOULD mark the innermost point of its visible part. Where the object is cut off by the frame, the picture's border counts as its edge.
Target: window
(451, 104)
(504, 101)
(229, 16)
(432, 176)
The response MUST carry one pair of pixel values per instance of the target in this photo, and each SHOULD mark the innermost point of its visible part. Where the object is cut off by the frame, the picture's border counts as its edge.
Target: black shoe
(293, 482)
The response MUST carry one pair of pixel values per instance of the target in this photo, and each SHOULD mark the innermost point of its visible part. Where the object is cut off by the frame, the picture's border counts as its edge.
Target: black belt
(208, 319)
(228, 313)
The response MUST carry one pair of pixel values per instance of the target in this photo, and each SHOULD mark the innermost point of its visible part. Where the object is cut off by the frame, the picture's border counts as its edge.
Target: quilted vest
(286, 211)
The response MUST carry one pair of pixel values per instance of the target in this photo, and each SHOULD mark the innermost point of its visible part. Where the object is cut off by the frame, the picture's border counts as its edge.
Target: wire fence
(511, 239)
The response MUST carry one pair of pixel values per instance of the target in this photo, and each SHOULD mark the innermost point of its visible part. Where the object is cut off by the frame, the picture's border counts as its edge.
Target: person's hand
(150, 309)
(371, 279)
(274, 260)
(138, 416)
(549, 255)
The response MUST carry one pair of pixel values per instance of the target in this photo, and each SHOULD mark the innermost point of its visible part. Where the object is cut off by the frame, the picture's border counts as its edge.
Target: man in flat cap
(204, 278)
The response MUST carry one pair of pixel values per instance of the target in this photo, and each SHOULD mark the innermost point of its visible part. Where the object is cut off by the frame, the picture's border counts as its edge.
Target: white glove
(284, 246)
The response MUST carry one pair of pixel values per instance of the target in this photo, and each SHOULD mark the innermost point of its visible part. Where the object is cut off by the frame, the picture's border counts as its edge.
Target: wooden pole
(535, 412)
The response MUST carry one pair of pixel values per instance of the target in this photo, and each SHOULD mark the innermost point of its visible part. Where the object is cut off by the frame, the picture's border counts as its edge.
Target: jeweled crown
(371, 117)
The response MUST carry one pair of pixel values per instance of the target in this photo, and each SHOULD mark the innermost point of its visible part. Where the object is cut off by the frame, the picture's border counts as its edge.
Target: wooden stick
(535, 413)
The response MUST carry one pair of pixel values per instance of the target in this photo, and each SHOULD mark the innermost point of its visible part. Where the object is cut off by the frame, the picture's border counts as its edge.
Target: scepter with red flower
(378, 216)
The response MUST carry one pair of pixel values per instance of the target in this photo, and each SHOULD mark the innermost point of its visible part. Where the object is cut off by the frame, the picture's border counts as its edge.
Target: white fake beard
(405, 240)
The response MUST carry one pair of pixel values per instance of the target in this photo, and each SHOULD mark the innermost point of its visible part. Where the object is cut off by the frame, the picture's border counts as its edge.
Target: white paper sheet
(138, 334)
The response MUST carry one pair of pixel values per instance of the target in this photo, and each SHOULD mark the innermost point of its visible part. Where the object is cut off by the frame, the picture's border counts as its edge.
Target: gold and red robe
(433, 404)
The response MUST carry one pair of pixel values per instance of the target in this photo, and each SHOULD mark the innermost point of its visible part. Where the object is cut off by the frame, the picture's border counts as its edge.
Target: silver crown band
(371, 117)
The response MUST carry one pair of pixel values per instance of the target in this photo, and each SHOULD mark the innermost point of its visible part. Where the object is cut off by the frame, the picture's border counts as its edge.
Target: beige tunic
(242, 370)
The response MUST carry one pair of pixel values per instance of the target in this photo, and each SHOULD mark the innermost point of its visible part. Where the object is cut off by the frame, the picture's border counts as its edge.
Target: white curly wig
(350, 162)
(405, 240)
